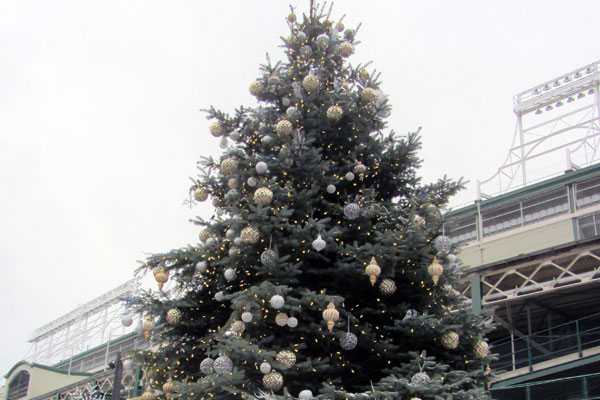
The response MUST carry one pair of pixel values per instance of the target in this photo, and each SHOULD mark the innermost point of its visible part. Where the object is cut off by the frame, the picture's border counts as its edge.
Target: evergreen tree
(324, 272)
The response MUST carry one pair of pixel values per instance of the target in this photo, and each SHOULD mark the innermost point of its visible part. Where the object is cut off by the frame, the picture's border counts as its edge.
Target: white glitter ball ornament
(284, 128)
(450, 340)
(277, 302)
(348, 341)
(351, 211)
(261, 167)
(174, 316)
(268, 258)
(334, 113)
(128, 365)
(281, 319)
(319, 244)
(331, 189)
(230, 274)
(126, 320)
(286, 358)
(217, 129)
(305, 395)
(238, 326)
(223, 365)
(420, 378)
(263, 196)
(292, 322)
(273, 381)
(292, 113)
(265, 368)
(310, 83)
(481, 349)
(246, 316)
(442, 243)
(207, 366)
(249, 235)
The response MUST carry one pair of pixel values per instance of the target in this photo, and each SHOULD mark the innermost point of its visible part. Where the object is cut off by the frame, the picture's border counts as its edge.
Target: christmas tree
(324, 272)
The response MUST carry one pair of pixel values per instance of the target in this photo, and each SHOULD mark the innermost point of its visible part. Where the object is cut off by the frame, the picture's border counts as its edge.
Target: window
(545, 205)
(588, 226)
(587, 192)
(501, 219)
(18, 386)
(463, 230)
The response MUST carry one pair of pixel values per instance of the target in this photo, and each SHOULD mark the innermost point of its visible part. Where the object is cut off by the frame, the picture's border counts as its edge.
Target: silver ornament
(267, 139)
(331, 189)
(277, 302)
(223, 365)
(349, 176)
(219, 296)
(230, 234)
(230, 274)
(128, 365)
(286, 358)
(126, 320)
(252, 181)
(246, 316)
(265, 367)
(263, 196)
(305, 395)
(223, 143)
(235, 136)
(410, 314)
(268, 258)
(234, 251)
(420, 378)
(452, 258)
(238, 241)
(292, 322)
(348, 341)
(305, 51)
(211, 242)
(318, 244)
(450, 340)
(301, 37)
(351, 211)
(281, 319)
(292, 113)
(206, 366)
(310, 83)
(261, 167)
(323, 40)
(285, 101)
(442, 243)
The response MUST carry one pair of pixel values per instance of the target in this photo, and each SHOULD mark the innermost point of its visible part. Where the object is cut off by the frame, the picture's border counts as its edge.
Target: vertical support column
(584, 388)
(522, 144)
(512, 337)
(476, 293)
(137, 390)
(578, 334)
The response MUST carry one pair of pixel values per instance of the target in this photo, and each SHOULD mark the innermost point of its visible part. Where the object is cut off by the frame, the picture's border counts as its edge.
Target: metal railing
(581, 387)
(570, 338)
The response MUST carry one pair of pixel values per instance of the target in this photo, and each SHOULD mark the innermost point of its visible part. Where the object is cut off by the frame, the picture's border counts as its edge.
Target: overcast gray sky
(100, 128)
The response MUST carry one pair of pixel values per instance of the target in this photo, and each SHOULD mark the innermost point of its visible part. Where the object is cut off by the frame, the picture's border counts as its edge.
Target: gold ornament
(228, 166)
(204, 235)
(346, 49)
(168, 387)
(334, 113)
(340, 27)
(273, 80)
(481, 349)
(368, 95)
(310, 83)
(373, 271)
(174, 316)
(291, 17)
(387, 287)
(249, 235)
(284, 128)
(273, 381)
(435, 270)
(217, 129)
(233, 183)
(450, 340)
(286, 358)
(161, 276)
(256, 88)
(148, 327)
(331, 315)
(364, 74)
(263, 196)
(148, 395)
(238, 327)
(200, 194)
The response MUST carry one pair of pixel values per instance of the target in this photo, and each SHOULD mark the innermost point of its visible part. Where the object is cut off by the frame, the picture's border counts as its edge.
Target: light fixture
(591, 91)
(538, 112)
(556, 83)
(567, 79)
(578, 74)
(536, 91)
(549, 108)
(581, 95)
(546, 87)
(560, 103)
(570, 99)
(588, 70)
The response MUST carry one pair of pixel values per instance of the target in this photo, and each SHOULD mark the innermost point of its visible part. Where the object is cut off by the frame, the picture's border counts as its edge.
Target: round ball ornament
(368, 95)
(238, 241)
(331, 315)
(174, 316)
(285, 101)
(211, 243)
(126, 320)
(292, 113)
(348, 341)
(387, 287)
(200, 194)
(323, 40)
(306, 51)
(364, 74)
(277, 302)
(268, 258)
(481, 349)
(201, 266)
(273, 381)
(217, 129)
(234, 251)
(228, 166)
(265, 367)
(252, 181)
(128, 365)
(346, 49)
(335, 113)
(420, 378)
(246, 316)
(256, 88)
(281, 319)
(223, 365)
(331, 189)
(418, 220)
(305, 395)
(291, 17)
(349, 176)
(235, 136)
(442, 243)
(274, 80)
(249, 235)
(435, 270)
(206, 366)
(351, 211)
(372, 271)
(360, 168)
(340, 27)
(230, 274)
(261, 167)
(238, 327)
(450, 340)
(292, 322)
(318, 244)
(286, 358)
(233, 183)
(284, 128)
(310, 83)
(301, 37)
(263, 196)
(219, 296)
